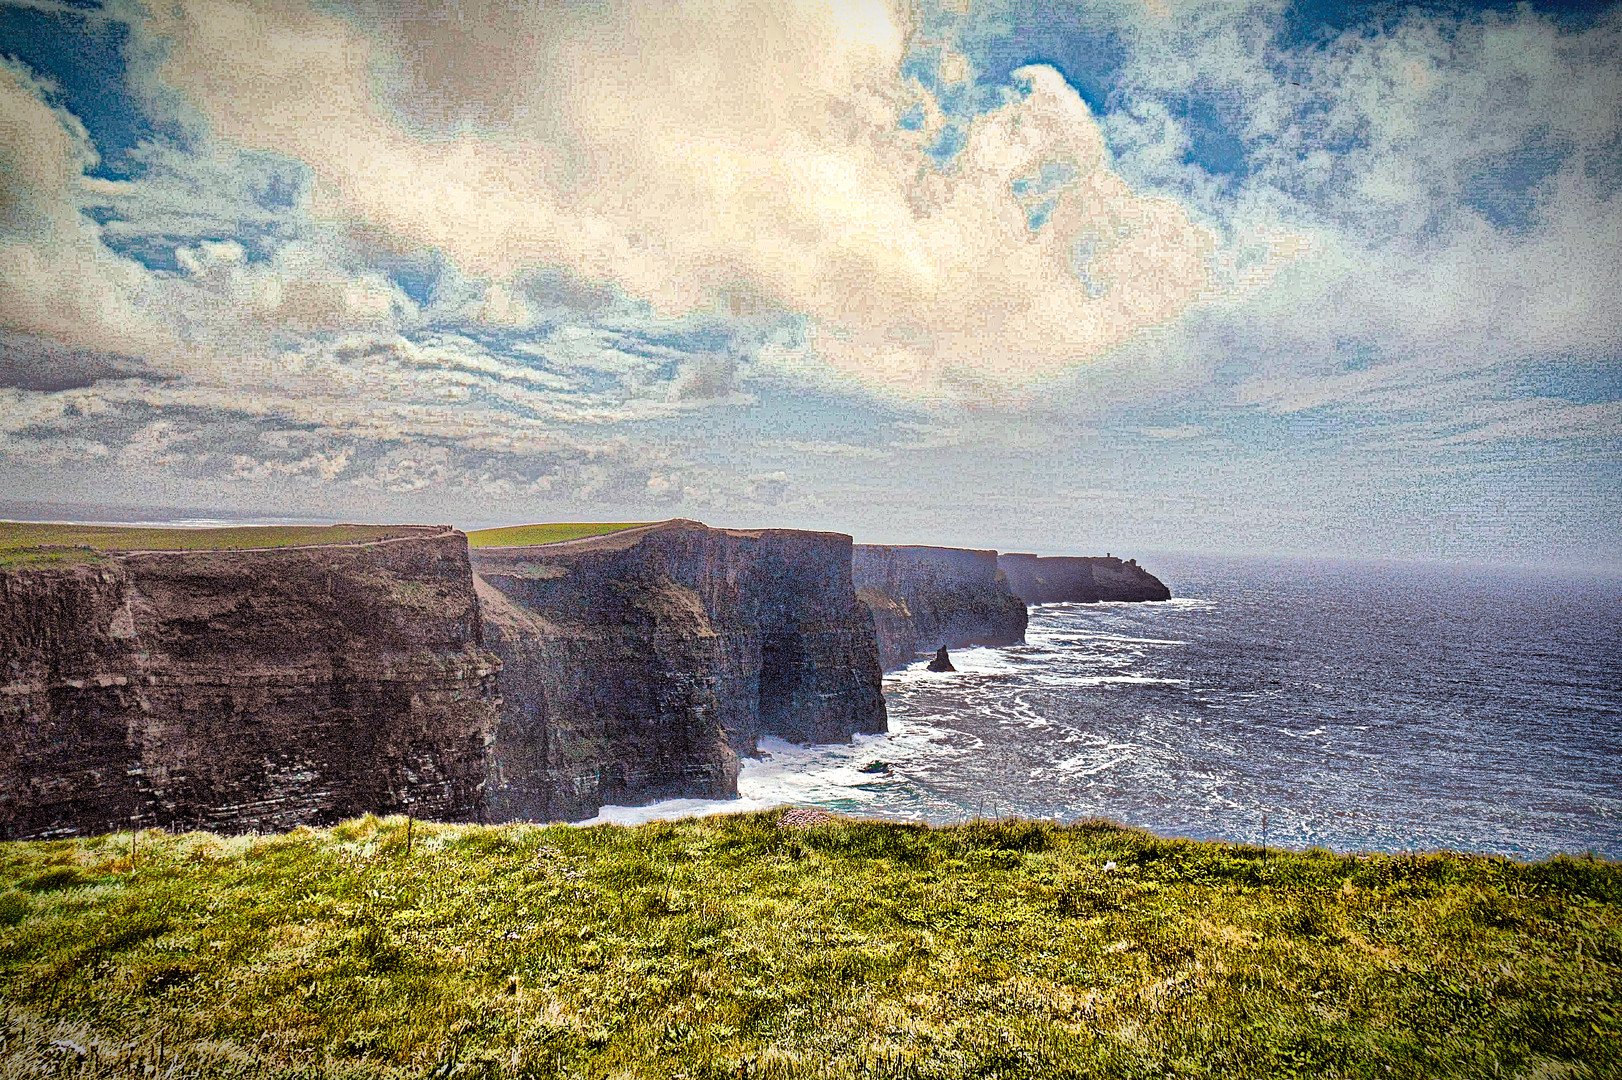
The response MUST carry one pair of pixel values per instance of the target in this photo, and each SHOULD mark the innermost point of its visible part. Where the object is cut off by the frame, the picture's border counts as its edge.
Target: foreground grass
(525, 535)
(728, 947)
(39, 542)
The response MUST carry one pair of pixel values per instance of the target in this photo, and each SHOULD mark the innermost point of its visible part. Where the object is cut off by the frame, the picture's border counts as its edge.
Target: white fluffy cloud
(56, 278)
(1454, 180)
(735, 158)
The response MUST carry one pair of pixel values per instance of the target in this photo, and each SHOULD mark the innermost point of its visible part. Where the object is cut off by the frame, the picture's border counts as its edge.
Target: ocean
(1354, 706)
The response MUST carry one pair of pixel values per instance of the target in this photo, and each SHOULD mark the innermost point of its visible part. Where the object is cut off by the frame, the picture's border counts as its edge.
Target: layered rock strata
(1085, 580)
(639, 665)
(923, 598)
(243, 690)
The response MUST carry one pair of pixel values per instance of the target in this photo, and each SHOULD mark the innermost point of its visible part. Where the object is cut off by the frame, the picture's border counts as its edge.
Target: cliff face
(243, 690)
(925, 597)
(639, 665)
(1083, 580)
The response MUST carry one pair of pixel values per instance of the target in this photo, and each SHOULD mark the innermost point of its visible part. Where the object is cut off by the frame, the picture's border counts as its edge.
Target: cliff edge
(639, 665)
(239, 690)
(923, 598)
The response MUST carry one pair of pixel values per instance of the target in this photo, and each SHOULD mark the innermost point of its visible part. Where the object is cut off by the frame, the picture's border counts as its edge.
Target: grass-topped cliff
(555, 532)
(731, 947)
(25, 542)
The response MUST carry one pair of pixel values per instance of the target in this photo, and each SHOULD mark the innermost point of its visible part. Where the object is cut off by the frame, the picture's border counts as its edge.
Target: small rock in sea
(875, 767)
(942, 662)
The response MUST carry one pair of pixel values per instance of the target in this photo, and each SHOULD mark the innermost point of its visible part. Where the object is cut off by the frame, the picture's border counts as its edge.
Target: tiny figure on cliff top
(942, 662)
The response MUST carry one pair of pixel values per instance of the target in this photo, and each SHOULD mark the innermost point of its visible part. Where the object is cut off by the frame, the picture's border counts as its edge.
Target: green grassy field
(524, 535)
(30, 541)
(730, 947)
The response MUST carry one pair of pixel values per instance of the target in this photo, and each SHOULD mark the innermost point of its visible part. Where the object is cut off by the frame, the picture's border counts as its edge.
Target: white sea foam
(672, 809)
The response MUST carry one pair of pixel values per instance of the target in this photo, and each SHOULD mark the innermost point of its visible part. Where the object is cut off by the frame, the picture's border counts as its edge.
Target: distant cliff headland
(262, 678)
(925, 597)
(1079, 580)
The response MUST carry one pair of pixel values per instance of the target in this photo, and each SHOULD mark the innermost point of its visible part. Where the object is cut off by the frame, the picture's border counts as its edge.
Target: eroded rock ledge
(923, 598)
(640, 664)
(243, 690)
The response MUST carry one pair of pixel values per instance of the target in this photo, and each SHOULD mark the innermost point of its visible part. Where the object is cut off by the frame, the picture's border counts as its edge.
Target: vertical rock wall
(925, 597)
(1020, 572)
(1079, 580)
(640, 664)
(243, 690)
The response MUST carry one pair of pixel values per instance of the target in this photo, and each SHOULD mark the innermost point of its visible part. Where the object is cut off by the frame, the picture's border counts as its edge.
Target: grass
(31, 541)
(34, 543)
(728, 947)
(526, 535)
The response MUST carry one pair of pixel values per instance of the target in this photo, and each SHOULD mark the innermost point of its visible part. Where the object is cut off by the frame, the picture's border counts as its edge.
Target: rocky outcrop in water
(639, 665)
(925, 597)
(942, 661)
(242, 690)
(1081, 580)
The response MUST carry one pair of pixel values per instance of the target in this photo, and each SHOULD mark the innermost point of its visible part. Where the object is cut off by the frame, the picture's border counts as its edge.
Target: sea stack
(942, 662)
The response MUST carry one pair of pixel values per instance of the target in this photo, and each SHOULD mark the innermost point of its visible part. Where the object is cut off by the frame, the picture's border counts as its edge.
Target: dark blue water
(1359, 706)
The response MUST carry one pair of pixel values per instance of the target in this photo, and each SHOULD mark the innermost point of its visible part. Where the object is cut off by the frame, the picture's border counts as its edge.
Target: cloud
(34, 363)
(1544, 420)
(730, 158)
(57, 280)
(297, 292)
(1452, 178)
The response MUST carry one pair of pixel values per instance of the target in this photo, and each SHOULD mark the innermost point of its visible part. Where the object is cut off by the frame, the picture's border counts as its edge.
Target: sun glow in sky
(1269, 278)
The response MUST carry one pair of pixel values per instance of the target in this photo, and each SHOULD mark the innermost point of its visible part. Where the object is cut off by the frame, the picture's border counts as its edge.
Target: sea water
(1357, 706)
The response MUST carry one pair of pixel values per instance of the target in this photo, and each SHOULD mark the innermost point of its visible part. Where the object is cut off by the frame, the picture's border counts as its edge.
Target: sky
(1257, 278)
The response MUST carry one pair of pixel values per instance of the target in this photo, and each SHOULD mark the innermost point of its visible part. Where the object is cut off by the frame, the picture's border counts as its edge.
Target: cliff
(639, 665)
(242, 690)
(1084, 580)
(923, 598)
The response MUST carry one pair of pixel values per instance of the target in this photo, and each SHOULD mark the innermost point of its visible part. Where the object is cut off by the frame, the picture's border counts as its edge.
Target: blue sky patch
(84, 57)
(948, 144)
(1212, 144)
(1581, 384)
(1090, 58)
(418, 279)
(1308, 22)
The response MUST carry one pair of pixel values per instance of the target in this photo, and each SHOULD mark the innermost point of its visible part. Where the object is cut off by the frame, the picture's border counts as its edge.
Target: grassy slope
(29, 541)
(524, 535)
(728, 947)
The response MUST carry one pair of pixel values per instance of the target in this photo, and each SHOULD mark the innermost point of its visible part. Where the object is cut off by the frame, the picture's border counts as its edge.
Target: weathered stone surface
(1019, 570)
(1078, 580)
(925, 597)
(640, 664)
(243, 690)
